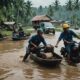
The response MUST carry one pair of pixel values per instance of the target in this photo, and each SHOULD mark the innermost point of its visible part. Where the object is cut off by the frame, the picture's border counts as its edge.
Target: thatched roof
(41, 18)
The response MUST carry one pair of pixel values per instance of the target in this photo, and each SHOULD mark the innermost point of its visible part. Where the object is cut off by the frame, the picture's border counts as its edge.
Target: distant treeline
(22, 12)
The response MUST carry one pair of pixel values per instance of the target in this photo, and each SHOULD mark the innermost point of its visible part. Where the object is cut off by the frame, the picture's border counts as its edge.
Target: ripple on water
(6, 46)
(4, 73)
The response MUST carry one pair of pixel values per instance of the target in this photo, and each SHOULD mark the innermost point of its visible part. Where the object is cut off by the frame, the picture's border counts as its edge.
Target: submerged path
(12, 67)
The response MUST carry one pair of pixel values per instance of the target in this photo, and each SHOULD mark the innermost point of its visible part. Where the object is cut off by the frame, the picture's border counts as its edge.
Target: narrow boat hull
(55, 61)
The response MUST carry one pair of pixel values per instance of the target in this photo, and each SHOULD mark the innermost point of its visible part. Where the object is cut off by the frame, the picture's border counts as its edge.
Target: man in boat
(67, 37)
(34, 42)
(15, 35)
(21, 32)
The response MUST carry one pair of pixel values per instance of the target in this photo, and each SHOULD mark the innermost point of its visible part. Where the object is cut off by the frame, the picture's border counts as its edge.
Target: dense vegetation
(22, 12)
(15, 10)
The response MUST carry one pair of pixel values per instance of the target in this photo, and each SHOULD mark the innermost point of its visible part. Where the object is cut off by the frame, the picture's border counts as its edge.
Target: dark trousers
(38, 51)
(69, 48)
(29, 50)
(27, 54)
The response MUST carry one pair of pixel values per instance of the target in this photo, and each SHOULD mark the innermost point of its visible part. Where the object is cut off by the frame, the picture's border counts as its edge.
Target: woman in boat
(34, 42)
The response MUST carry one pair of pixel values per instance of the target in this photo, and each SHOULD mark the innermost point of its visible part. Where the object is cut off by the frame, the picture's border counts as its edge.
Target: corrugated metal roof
(9, 23)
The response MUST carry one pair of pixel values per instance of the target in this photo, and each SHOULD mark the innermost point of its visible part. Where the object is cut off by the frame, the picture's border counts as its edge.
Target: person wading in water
(67, 37)
(34, 43)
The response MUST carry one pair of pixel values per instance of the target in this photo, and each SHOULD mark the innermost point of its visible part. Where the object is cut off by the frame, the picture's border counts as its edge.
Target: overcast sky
(37, 3)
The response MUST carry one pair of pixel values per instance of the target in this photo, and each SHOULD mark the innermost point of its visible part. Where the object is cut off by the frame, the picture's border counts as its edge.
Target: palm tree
(69, 5)
(50, 11)
(76, 8)
(69, 8)
(18, 10)
(56, 5)
(5, 6)
(27, 11)
(40, 10)
(4, 3)
(28, 8)
(76, 5)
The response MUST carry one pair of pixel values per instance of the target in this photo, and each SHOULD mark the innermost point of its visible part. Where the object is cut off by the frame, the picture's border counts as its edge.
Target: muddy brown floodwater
(9, 45)
(12, 67)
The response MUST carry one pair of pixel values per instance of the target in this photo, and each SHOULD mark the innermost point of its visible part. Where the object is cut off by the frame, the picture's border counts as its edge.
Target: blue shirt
(67, 36)
(36, 39)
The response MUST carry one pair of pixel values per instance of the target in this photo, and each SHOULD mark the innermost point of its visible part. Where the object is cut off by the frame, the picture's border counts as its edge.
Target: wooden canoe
(23, 38)
(4, 38)
(55, 61)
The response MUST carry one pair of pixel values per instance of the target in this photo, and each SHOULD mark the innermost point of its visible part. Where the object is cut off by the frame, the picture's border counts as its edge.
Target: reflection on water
(63, 72)
(46, 73)
(72, 73)
(2, 71)
(6, 46)
(2, 74)
(35, 72)
(59, 73)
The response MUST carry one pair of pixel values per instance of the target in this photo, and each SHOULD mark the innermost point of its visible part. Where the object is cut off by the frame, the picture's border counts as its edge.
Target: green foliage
(16, 10)
(40, 10)
(28, 30)
(50, 11)
(22, 12)
(56, 5)
(73, 7)
(76, 5)
(69, 5)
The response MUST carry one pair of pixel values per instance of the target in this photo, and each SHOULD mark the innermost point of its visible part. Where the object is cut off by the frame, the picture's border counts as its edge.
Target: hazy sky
(37, 3)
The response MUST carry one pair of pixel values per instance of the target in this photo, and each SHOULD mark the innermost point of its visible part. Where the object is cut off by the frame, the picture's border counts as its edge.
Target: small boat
(1, 39)
(22, 38)
(17, 37)
(54, 61)
(4, 38)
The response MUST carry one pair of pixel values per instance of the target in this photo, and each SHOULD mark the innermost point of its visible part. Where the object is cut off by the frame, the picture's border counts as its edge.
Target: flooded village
(21, 21)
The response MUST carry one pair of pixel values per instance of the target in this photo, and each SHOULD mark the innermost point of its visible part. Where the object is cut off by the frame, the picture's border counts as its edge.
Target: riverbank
(9, 33)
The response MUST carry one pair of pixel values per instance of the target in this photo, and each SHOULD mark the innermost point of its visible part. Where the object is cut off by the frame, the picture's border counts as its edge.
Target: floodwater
(9, 45)
(12, 67)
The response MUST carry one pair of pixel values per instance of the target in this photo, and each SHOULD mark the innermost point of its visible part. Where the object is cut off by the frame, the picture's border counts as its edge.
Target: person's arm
(31, 41)
(60, 38)
(44, 42)
(33, 44)
(74, 34)
(57, 43)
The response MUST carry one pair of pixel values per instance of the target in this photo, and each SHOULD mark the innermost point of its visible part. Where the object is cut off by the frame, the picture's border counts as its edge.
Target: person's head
(39, 32)
(65, 26)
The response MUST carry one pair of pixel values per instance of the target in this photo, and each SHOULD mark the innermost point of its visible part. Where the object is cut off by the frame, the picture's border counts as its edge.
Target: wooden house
(40, 18)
